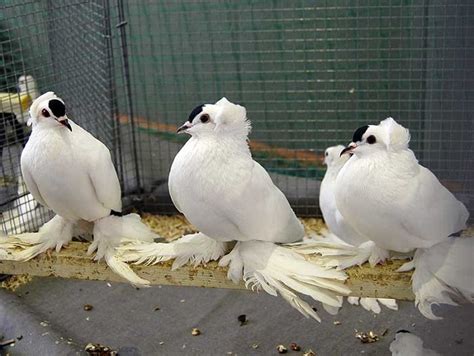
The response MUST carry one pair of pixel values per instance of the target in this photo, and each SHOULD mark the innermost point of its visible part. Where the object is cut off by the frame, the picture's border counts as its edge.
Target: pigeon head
(388, 135)
(223, 117)
(27, 85)
(333, 157)
(49, 111)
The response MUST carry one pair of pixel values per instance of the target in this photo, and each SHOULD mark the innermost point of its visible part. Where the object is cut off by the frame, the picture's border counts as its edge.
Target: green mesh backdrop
(309, 73)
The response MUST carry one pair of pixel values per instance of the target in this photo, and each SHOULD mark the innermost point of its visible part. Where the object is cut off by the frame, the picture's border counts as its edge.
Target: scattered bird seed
(242, 319)
(99, 350)
(314, 309)
(162, 342)
(295, 347)
(309, 353)
(282, 349)
(195, 332)
(255, 346)
(87, 319)
(109, 285)
(385, 332)
(19, 337)
(367, 337)
(157, 308)
(337, 322)
(182, 300)
(88, 307)
(44, 323)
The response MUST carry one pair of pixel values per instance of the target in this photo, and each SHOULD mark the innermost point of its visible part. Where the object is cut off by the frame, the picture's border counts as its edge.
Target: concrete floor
(49, 314)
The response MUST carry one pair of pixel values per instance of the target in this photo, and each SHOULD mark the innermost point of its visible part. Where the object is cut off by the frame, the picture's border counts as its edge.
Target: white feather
(193, 248)
(408, 344)
(279, 269)
(444, 274)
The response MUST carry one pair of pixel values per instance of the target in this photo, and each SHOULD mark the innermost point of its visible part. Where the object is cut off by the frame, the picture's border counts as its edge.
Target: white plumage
(387, 196)
(71, 172)
(343, 234)
(228, 196)
(408, 344)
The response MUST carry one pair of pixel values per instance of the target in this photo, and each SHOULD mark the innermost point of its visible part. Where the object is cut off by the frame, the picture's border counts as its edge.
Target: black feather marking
(57, 107)
(115, 213)
(357, 137)
(196, 111)
(403, 331)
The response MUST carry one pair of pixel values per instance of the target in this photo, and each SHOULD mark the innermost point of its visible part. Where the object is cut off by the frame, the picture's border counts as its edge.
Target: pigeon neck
(227, 142)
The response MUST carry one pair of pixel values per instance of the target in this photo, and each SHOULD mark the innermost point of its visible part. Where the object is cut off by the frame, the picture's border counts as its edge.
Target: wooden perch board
(72, 262)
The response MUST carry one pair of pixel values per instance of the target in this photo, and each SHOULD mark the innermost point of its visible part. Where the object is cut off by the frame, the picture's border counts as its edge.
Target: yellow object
(15, 103)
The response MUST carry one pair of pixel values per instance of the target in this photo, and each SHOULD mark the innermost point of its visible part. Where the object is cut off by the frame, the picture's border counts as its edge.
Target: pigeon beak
(183, 128)
(64, 121)
(348, 149)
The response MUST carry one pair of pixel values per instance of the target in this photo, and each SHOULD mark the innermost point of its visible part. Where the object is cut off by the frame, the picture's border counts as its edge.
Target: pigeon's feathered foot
(443, 274)
(278, 269)
(373, 304)
(111, 232)
(53, 235)
(341, 255)
(193, 248)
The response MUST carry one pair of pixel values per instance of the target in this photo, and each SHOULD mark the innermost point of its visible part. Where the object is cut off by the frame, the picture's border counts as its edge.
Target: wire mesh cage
(308, 72)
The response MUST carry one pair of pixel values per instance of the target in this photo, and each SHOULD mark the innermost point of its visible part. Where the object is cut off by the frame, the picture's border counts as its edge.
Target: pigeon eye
(204, 118)
(326, 154)
(371, 140)
(45, 113)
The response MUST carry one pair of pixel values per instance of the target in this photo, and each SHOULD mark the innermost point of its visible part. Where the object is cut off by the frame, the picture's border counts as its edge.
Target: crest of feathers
(396, 136)
(232, 117)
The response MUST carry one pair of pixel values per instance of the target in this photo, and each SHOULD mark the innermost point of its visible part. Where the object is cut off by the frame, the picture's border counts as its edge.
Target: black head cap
(403, 331)
(357, 137)
(57, 107)
(195, 112)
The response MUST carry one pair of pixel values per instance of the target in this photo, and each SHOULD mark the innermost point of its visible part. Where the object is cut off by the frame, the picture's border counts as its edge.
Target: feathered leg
(111, 232)
(280, 270)
(23, 247)
(444, 274)
(341, 255)
(193, 248)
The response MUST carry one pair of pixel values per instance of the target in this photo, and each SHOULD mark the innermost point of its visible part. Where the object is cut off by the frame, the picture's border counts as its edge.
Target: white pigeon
(336, 224)
(387, 196)
(408, 344)
(71, 172)
(228, 196)
(26, 85)
(361, 249)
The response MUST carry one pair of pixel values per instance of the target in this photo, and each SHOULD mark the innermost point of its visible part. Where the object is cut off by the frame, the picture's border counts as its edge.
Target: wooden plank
(72, 262)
